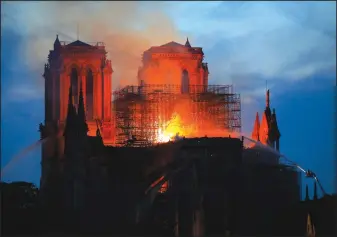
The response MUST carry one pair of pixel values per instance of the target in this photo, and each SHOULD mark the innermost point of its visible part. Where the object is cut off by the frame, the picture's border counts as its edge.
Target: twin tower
(85, 69)
(78, 64)
(71, 65)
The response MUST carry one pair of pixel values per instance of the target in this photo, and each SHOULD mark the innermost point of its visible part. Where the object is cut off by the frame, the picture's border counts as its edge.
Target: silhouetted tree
(18, 208)
(18, 195)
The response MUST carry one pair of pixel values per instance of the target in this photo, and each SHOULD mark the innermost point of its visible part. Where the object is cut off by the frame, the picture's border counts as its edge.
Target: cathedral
(78, 95)
(124, 156)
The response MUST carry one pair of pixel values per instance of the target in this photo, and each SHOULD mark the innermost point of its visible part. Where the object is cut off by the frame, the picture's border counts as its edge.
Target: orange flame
(172, 129)
(183, 123)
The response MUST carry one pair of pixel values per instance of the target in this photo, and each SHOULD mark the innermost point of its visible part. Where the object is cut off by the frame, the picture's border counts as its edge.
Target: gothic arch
(89, 92)
(75, 75)
(91, 67)
(71, 66)
(185, 81)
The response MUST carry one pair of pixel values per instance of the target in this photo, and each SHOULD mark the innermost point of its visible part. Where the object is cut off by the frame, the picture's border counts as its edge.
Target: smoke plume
(126, 28)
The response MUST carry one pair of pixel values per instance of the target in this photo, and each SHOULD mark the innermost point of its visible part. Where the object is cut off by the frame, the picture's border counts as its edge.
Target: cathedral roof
(79, 43)
(174, 47)
(172, 44)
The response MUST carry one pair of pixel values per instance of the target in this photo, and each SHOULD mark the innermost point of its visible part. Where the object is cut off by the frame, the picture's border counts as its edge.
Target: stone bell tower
(71, 65)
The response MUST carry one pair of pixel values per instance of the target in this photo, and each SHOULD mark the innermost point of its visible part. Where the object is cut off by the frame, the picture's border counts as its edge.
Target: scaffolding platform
(141, 111)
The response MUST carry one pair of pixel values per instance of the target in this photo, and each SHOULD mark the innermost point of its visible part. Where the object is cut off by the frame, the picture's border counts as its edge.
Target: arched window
(185, 82)
(90, 94)
(74, 84)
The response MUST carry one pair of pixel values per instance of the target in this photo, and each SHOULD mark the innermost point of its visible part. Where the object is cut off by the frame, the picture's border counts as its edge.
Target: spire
(57, 43)
(98, 132)
(315, 191)
(277, 131)
(83, 126)
(274, 133)
(264, 130)
(267, 99)
(70, 96)
(187, 44)
(307, 193)
(71, 114)
(256, 129)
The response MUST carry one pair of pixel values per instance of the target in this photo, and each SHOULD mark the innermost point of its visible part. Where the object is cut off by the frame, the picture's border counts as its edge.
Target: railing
(171, 88)
(95, 44)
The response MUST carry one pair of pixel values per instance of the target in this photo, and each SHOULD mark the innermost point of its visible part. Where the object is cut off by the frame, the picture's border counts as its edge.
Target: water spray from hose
(23, 153)
(308, 173)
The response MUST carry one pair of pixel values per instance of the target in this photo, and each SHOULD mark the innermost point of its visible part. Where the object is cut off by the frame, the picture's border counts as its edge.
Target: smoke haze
(126, 28)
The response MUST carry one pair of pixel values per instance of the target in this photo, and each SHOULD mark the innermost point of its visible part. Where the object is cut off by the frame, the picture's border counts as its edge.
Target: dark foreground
(34, 221)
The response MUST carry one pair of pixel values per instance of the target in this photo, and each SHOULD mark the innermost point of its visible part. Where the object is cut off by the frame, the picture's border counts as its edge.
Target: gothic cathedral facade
(74, 65)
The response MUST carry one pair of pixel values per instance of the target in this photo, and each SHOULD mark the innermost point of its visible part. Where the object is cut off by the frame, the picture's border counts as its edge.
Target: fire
(177, 128)
(162, 119)
(163, 136)
(182, 124)
(172, 128)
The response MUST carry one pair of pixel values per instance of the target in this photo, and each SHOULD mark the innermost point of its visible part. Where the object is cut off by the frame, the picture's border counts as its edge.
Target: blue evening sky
(292, 45)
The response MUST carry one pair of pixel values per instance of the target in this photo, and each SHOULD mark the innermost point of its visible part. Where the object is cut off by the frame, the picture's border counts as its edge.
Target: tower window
(74, 84)
(185, 82)
(90, 94)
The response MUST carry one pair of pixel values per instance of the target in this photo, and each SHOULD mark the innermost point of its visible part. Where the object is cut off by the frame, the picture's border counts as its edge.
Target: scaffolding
(141, 111)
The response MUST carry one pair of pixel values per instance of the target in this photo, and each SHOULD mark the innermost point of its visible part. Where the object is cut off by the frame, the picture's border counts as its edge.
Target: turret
(187, 44)
(57, 44)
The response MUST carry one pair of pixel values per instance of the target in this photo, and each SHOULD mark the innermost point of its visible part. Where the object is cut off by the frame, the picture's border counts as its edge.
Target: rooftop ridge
(95, 44)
